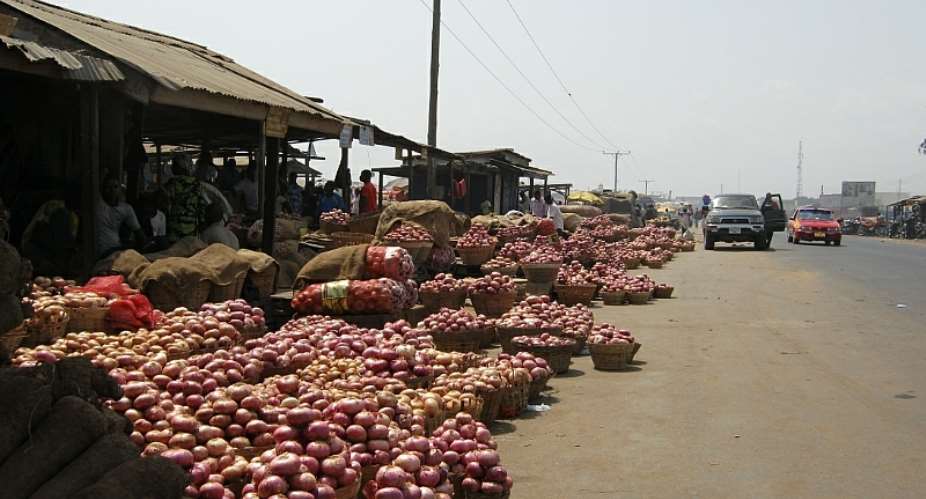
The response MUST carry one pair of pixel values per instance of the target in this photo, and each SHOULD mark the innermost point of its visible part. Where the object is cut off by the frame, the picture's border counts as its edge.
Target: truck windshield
(741, 202)
(815, 215)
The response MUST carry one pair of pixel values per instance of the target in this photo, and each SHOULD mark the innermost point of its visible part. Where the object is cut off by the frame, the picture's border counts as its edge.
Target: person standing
(553, 212)
(538, 207)
(111, 215)
(187, 202)
(228, 175)
(368, 201)
(705, 200)
(247, 189)
(330, 200)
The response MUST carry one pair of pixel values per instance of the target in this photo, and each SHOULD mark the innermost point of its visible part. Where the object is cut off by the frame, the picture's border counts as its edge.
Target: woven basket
(419, 250)
(613, 297)
(538, 288)
(632, 263)
(521, 286)
(633, 352)
(91, 319)
(459, 342)
(580, 344)
(509, 271)
(487, 337)
(435, 301)
(490, 404)
(611, 357)
(253, 333)
(540, 272)
(570, 295)
(230, 291)
(475, 256)
(493, 305)
(350, 238)
(639, 298)
(663, 292)
(514, 400)
(330, 228)
(537, 387)
(559, 358)
(506, 333)
(654, 264)
(191, 297)
(265, 281)
(12, 338)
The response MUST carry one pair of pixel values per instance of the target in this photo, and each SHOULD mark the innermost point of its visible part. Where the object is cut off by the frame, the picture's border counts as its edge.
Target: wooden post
(261, 163)
(159, 170)
(435, 66)
(270, 196)
(345, 175)
(530, 194)
(411, 171)
(544, 185)
(380, 191)
(90, 172)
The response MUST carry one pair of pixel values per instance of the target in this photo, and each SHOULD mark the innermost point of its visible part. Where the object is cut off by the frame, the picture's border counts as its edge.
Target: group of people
(544, 207)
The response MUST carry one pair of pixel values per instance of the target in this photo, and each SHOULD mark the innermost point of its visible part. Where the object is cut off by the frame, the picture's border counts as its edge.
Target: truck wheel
(708, 242)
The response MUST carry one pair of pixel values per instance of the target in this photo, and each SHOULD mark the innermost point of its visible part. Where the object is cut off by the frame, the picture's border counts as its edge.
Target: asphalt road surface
(785, 373)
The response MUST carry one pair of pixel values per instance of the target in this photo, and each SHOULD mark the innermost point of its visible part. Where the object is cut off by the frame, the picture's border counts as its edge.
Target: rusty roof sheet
(171, 62)
(75, 66)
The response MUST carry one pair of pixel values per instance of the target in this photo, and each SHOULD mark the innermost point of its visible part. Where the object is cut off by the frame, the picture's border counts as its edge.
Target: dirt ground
(763, 378)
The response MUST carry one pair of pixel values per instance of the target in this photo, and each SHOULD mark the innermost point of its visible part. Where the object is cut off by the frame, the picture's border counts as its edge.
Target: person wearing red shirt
(367, 193)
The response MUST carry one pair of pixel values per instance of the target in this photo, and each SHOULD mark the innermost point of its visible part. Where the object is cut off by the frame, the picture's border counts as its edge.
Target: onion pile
(544, 340)
(536, 366)
(631, 284)
(459, 436)
(409, 478)
(516, 250)
(515, 232)
(49, 286)
(499, 262)
(364, 429)
(544, 255)
(238, 313)
(408, 233)
(493, 284)
(442, 283)
(606, 334)
(389, 261)
(596, 221)
(477, 237)
(473, 380)
(84, 299)
(448, 321)
(575, 274)
(484, 473)
(579, 247)
(441, 259)
(336, 217)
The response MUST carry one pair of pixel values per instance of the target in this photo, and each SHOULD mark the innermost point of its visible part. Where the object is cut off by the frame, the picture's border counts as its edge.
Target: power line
(528, 80)
(506, 87)
(556, 75)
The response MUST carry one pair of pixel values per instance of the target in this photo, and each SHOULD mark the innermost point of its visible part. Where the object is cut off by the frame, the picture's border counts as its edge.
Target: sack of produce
(580, 209)
(435, 216)
(360, 261)
(344, 297)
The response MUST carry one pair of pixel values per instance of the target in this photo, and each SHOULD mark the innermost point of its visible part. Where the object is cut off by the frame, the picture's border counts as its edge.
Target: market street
(787, 373)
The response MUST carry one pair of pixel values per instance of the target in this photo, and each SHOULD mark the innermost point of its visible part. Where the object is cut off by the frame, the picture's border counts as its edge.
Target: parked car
(810, 223)
(738, 218)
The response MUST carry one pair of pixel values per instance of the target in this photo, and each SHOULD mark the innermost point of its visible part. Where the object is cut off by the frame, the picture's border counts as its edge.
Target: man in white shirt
(216, 231)
(111, 214)
(538, 208)
(554, 213)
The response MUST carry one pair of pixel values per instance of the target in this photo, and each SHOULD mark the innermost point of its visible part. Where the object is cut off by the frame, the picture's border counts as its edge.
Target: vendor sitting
(216, 231)
(111, 215)
(330, 200)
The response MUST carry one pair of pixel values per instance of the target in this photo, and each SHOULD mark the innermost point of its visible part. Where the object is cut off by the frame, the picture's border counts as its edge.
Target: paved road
(788, 373)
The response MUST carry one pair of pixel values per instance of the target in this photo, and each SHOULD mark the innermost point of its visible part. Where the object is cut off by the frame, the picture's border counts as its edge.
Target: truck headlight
(713, 220)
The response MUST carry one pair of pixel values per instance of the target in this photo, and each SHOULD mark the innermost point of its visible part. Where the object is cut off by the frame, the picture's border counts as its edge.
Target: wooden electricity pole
(432, 101)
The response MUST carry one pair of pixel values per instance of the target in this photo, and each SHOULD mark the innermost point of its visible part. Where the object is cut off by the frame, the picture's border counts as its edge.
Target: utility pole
(646, 183)
(616, 155)
(800, 170)
(432, 100)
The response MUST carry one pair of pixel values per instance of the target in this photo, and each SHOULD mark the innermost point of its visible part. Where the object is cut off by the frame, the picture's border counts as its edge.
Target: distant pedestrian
(538, 207)
(368, 201)
(706, 200)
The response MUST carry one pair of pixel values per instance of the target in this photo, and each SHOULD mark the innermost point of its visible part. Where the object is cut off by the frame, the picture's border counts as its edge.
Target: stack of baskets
(613, 357)
(493, 305)
(573, 294)
(475, 256)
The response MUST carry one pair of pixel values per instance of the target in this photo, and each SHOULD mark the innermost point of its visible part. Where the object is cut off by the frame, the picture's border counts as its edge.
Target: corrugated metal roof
(173, 63)
(75, 66)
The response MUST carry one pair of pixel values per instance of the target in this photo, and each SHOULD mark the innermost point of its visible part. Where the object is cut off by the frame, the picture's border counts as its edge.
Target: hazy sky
(700, 91)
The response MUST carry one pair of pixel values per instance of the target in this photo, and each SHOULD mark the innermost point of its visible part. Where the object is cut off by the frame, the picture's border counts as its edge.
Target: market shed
(88, 92)
(503, 187)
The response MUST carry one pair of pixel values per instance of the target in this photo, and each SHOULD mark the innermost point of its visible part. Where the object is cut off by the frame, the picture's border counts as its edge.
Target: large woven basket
(12, 338)
(459, 342)
(435, 301)
(330, 228)
(611, 357)
(487, 337)
(537, 387)
(558, 357)
(540, 272)
(613, 297)
(475, 256)
(663, 293)
(538, 288)
(510, 271)
(639, 298)
(514, 400)
(506, 333)
(570, 295)
(167, 299)
(493, 305)
(521, 286)
(265, 281)
(91, 319)
(230, 291)
(350, 238)
(580, 344)
(490, 404)
(633, 352)
(631, 263)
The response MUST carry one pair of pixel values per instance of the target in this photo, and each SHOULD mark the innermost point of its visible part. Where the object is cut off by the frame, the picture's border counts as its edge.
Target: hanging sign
(277, 123)
(347, 136)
